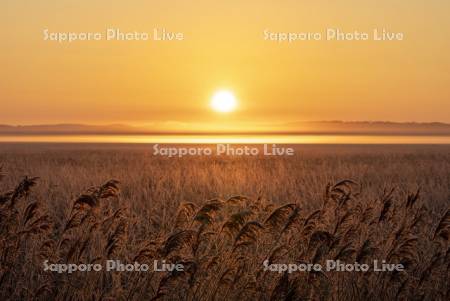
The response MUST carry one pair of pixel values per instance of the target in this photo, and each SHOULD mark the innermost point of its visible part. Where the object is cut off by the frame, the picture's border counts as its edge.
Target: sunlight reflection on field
(238, 139)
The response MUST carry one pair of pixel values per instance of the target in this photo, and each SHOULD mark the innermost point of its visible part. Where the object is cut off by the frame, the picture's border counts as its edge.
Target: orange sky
(171, 83)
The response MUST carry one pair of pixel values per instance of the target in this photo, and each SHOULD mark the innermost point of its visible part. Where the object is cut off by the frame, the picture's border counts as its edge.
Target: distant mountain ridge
(298, 128)
(372, 128)
(66, 129)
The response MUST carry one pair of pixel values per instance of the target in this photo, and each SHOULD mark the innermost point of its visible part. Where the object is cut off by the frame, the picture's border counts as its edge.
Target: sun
(223, 101)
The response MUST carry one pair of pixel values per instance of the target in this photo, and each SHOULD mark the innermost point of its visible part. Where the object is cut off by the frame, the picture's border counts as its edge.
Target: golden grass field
(221, 218)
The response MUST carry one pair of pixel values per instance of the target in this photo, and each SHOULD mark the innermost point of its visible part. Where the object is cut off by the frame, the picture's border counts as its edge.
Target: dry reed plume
(222, 245)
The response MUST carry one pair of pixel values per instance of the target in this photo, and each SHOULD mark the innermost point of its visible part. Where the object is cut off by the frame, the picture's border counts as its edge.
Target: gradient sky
(170, 83)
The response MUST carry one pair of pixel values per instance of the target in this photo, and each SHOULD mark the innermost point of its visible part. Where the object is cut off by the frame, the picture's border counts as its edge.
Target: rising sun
(223, 101)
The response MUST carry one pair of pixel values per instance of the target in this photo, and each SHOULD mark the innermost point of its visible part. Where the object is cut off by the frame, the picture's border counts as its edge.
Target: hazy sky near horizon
(171, 82)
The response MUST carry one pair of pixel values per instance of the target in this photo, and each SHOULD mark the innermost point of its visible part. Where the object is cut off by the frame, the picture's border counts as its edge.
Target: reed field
(227, 221)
